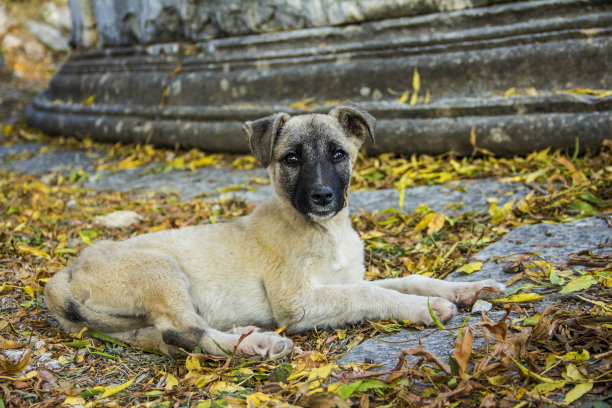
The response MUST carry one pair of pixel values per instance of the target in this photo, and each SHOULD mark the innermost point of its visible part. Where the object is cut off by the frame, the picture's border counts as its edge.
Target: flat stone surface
(6, 151)
(66, 161)
(204, 181)
(385, 349)
(554, 242)
(442, 198)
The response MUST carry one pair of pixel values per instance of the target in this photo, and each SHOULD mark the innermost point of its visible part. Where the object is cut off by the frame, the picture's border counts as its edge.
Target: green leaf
(78, 343)
(580, 283)
(590, 198)
(100, 353)
(584, 207)
(90, 393)
(555, 279)
(531, 321)
(106, 338)
(281, 373)
(454, 365)
(360, 386)
(522, 288)
(434, 317)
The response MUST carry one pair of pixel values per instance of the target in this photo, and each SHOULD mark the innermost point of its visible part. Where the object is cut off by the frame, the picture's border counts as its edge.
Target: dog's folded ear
(262, 134)
(356, 121)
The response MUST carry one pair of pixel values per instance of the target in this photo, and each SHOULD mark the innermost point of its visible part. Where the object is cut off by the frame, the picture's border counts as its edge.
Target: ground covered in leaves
(547, 359)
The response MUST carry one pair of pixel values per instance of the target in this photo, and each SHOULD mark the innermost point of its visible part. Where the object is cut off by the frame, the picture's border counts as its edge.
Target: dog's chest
(343, 262)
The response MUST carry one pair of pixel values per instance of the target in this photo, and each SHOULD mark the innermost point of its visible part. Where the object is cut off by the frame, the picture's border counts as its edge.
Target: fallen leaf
(520, 297)
(471, 267)
(577, 284)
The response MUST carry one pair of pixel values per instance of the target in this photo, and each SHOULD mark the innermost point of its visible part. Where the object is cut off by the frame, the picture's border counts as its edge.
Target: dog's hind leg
(146, 301)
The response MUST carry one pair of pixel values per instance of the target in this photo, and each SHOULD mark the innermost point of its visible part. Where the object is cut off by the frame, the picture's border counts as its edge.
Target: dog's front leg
(337, 305)
(457, 292)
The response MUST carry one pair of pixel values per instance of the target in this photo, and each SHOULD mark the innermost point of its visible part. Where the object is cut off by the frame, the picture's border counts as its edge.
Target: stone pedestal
(197, 91)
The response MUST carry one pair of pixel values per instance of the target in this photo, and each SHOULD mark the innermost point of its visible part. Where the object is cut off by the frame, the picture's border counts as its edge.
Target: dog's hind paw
(442, 308)
(265, 345)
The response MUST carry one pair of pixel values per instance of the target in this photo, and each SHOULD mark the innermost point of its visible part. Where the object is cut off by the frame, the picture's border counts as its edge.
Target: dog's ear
(262, 134)
(356, 121)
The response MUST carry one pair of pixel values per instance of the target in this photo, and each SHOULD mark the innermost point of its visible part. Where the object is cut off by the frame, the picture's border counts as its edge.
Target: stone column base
(510, 72)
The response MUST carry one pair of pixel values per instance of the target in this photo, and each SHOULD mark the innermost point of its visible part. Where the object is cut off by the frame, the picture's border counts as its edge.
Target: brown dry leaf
(9, 344)
(7, 366)
(463, 350)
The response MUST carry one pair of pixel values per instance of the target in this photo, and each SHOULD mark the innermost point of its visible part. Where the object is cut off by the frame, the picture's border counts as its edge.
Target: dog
(295, 261)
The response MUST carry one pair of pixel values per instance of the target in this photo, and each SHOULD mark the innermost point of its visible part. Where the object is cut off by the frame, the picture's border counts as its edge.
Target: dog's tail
(74, 315)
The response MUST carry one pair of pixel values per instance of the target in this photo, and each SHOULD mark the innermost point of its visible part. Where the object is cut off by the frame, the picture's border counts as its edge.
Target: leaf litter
(552, 358)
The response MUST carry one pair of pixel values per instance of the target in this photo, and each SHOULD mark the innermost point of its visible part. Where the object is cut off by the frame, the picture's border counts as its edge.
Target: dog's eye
(291, 159)
(339, 155)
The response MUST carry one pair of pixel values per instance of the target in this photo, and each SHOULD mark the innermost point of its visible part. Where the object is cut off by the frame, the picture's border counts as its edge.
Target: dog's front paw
(466, 293)
(265, 345)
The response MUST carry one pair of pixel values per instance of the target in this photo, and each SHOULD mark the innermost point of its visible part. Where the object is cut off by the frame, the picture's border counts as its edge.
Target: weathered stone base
(200, 94)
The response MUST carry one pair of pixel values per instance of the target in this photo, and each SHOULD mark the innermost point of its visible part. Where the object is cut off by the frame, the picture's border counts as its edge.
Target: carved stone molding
(198, 94)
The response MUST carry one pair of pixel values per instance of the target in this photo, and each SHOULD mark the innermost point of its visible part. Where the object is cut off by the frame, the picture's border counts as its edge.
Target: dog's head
(310, 157)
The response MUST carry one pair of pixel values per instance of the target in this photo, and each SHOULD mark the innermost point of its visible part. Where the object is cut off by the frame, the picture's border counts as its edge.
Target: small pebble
(481, 306)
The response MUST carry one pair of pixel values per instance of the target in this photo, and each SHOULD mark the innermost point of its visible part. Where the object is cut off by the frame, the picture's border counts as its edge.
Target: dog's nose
(322, 195)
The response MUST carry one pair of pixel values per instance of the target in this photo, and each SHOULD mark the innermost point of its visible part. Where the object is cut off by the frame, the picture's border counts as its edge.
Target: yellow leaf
(171, 382)
(436, 223)
(574, 355)
(509, 92)
(85, 238)
(192, 363)
(303, 103)
(404, 97)
(29, 290)
(322, 372)
(257, 399)
(520, 297)
(414, 98)
(203, 161)
(427, 96)
(62, 242)
(243, 372)
(402, 196)
(577, 392)
(221, 386)
(229, 189)
(572, 373)
(71, 401)
(108, 391)
(471, 267)
(206, 379)
(473, 136)
(24, 249)
(416, 80)
(6, 129)
(424, 222)
(548, 387)
(89, 100)
(341, 334)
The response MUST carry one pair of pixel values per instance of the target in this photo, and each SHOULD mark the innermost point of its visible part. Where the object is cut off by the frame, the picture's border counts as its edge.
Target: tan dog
(296, 258)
